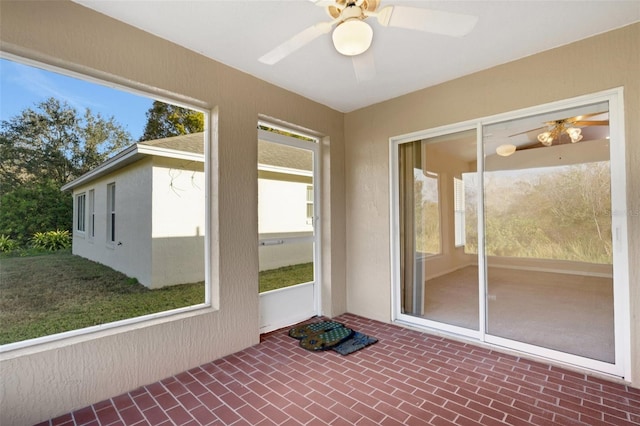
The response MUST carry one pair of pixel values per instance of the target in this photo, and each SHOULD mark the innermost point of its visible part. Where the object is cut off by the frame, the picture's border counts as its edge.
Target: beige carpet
(568, 313)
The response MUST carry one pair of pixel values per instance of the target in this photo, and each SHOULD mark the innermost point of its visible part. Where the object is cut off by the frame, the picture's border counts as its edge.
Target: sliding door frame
(622, 364)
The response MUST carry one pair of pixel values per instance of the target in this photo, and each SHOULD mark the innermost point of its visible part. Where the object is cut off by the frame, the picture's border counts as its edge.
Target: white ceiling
(238, 32)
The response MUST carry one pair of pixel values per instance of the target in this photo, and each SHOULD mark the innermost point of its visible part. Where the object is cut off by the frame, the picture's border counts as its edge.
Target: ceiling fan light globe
(505, 150)
(575, 134)
(352, 37)
(545, 138)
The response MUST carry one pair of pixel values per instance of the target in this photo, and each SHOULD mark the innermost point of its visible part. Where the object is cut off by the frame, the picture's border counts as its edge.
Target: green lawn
(48, 294)
(287, 276)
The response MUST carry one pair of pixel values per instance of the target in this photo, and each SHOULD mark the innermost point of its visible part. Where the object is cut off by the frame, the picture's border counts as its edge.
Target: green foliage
(165, 120)
(54, 142)
(7, 245)
(562, 214)
(51, 240)
(32, 208)
(43, 148)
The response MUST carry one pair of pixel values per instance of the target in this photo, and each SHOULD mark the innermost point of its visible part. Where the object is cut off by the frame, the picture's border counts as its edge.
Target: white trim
(128, 156)
(622, 364)
(90, 332)
(285, 170)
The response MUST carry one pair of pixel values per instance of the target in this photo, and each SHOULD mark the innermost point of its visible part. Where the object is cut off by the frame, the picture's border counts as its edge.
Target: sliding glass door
(437, 188)
(548, 233)
(505, 232)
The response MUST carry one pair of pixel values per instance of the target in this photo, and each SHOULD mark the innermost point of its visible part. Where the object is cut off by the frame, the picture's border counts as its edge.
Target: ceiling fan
(352, 36)
(555, 131)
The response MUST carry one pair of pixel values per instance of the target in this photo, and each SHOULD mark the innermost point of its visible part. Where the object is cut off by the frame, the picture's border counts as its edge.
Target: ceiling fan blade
(591, 123)
(323, 3)
(526, 131)
(364, 66)
(530, 146)
(296, 42)
(428, 20)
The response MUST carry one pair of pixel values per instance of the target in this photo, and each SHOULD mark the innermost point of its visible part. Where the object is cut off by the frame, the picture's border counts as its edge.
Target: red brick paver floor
(407, 378)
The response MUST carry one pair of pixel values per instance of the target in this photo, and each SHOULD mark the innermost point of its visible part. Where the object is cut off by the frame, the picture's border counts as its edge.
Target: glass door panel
(288, 248)
(438, 229)
(548, 231)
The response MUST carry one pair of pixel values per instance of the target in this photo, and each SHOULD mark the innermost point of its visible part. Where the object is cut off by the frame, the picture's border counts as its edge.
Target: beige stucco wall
(54, 378)
(603, 62)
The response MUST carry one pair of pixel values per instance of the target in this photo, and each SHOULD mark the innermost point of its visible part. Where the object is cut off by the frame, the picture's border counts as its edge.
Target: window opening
(81, 200)
(92, 213)
(138, 225)
(111, 212)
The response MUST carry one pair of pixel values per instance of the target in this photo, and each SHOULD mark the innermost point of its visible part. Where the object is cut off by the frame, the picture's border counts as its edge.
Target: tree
(42, 149)
(165, 120)
(52, 142)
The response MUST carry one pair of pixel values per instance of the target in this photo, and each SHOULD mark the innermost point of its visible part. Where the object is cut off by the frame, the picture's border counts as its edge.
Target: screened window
(111, 212)
(92, 213)
(162, 220)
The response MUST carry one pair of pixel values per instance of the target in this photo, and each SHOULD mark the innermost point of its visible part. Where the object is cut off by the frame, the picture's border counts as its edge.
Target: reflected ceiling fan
(352, 35)
(555, 131)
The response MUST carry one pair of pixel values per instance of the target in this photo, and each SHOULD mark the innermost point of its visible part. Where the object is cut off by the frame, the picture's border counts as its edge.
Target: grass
(286, 276)
(46, 294)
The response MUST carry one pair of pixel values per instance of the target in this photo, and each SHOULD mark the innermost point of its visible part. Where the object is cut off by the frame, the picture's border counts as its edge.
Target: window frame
(459, 219)
(92, 214)
(80, 217)
(111, 213)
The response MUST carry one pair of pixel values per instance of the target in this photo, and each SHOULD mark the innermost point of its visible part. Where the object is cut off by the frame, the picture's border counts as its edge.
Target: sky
(23, 86)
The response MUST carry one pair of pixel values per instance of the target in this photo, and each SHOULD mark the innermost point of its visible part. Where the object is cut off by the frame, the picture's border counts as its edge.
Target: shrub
(51, 240)
(7, 244)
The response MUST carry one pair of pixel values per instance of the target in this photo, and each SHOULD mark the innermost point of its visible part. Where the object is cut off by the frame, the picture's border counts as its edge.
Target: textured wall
(51, 379)
(603, 62)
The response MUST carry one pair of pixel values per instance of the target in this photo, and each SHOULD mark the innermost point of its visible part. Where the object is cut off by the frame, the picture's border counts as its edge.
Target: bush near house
(52, 240)
(7, 244)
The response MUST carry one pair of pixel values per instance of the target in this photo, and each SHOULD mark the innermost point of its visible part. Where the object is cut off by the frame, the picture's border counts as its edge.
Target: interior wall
(602, 62)
(54, 378)
(451, 258)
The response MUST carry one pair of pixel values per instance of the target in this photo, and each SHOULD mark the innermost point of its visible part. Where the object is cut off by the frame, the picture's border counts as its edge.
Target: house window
(427, 212)
(458, 209)
(111, 213)
(81, 200)
(92, 213)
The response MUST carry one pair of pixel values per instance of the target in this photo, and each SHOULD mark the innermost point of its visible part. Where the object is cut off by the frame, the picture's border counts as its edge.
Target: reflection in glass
(438, 235)
(285, 215)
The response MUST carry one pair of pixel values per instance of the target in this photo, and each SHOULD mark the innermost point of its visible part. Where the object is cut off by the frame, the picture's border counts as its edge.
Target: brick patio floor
(407, 378)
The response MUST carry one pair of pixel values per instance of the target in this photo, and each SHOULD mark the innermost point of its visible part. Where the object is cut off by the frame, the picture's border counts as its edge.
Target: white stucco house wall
(285, 205)
(142, 212)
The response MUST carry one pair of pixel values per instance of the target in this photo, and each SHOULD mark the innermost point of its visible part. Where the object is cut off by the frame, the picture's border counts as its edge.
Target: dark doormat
(324, 335)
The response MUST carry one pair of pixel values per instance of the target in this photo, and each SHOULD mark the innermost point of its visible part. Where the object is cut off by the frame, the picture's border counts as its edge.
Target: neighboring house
(285, 204)
(142, 212)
